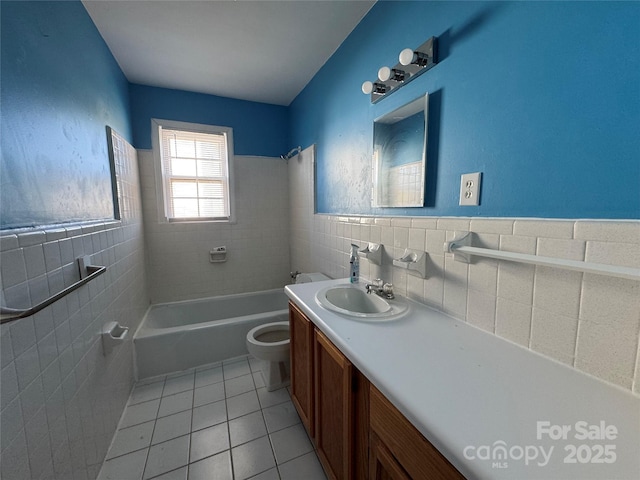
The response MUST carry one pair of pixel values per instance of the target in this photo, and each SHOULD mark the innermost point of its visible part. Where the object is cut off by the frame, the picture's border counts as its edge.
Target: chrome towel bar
(9, 314)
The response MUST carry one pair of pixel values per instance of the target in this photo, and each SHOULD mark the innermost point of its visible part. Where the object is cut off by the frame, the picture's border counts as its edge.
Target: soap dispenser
(354, 261)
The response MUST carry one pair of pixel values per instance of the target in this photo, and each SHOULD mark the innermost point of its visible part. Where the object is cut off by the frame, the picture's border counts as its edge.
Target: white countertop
(470, 393)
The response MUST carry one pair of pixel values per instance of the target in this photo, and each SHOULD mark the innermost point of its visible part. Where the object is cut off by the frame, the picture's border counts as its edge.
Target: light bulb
(367, 87)
(384, 74)
(406, 56)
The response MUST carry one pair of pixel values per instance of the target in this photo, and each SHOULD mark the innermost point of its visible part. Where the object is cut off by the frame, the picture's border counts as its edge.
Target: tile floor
(212, 422)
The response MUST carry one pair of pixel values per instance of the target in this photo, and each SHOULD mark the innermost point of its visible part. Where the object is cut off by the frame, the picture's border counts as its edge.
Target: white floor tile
(208, 394)
(196, 424)
(179, 474)
(236, 369)
(217, 467)
(209, 441)
(280, 416)
(172, 426)
(207, 377)
(271, 474)
(290, 443)
(130, 439)
(126, 467)
(167, 456)
(246, 428)
(258, 379)
(144, 393)
(242, 404)
(178, 384)
(239, 385)
(307, 467)
(252, 458)
(268, 399)
(175, 403)
(139, 413)
(209, 415)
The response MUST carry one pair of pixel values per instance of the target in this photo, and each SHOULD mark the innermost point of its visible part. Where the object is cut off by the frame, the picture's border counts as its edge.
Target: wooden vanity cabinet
(398, 451)
(357, 432)
(301, 340)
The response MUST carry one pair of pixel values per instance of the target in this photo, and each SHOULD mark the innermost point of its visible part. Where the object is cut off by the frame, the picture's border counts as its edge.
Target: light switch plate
(470, 189)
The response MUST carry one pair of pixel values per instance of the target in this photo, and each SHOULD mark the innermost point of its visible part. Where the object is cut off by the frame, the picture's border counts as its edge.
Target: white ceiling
(263, 51)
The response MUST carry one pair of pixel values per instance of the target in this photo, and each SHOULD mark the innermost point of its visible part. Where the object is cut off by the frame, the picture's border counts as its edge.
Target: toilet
(269, 343)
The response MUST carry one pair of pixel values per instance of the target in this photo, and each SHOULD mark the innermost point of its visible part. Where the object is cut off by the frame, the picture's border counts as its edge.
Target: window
(195, 170)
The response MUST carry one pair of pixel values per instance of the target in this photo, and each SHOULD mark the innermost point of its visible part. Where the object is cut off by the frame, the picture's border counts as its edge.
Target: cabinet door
(382, 464)
(333, 409)
(301, 340)
(410, 450)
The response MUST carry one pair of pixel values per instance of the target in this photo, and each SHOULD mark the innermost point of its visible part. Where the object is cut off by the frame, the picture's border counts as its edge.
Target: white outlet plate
(470, 189)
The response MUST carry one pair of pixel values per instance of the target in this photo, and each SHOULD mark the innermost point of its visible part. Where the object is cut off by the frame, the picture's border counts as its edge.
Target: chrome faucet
(380, 288)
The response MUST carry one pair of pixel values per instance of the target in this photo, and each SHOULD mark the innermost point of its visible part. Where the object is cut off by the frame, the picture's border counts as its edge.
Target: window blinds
(195, 169)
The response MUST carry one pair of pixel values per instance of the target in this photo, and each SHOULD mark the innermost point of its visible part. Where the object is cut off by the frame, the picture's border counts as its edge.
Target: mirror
(400, 155)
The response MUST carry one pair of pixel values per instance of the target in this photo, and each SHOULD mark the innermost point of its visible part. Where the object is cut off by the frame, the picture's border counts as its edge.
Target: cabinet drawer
(419, 458)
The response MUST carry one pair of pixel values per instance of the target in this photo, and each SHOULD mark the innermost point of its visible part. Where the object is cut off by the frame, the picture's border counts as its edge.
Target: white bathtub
(181, 335)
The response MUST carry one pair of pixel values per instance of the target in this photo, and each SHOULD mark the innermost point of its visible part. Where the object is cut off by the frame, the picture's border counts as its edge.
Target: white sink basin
(355, 302)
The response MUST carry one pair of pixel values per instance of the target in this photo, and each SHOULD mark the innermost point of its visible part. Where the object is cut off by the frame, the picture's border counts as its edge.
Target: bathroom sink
(355, 302)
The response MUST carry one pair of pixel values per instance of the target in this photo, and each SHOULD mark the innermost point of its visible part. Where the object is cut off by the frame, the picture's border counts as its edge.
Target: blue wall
(60, 87)
(542, 97)
(258, 128)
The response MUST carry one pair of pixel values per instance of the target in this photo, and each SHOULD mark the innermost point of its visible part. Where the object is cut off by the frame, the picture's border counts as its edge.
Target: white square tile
(216, 467)
(209, 415)
(557, 291)
(130, 439)
(513, 321)
(306, 466)
(208, 394)
(127, 467)
(146, 392)
(236, 369)
(271, 474)
(554, 335)
(175, 403)
(172, 426)
(208, 377)
(269, 399)
(209, 441)
(246, 428)
(481, 310)
(238, 385)
(178, 474)
(252, 458)
(140, 413)
(178, 384)
(242, 404)
(258, 380)
(167, 456)
(34, 261)
(280, 416)
(290, 443)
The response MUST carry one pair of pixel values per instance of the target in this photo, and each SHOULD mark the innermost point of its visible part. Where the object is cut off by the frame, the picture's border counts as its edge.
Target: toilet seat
(259, 335)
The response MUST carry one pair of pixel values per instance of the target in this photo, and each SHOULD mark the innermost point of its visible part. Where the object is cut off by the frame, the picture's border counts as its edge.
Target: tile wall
(61, 399)
(587, 321)
(257, 243)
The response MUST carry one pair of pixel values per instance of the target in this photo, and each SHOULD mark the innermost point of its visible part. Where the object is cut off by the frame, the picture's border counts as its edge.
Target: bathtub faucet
(380, 288)
(294, 275)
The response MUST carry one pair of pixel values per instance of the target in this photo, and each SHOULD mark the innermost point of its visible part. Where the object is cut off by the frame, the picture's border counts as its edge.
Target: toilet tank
(311, 277)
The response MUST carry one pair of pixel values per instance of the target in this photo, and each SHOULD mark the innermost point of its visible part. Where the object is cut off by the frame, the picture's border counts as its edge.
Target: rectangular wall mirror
(400, 155)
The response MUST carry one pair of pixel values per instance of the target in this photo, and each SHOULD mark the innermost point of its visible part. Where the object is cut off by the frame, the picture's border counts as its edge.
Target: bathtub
(181, 335)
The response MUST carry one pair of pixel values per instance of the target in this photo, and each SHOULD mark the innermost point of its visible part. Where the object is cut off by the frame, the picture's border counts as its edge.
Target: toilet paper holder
(113, 334)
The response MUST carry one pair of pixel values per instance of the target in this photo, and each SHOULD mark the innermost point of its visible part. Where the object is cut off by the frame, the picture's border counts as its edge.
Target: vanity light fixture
(386, 73)
(412, 63)
(374, 88)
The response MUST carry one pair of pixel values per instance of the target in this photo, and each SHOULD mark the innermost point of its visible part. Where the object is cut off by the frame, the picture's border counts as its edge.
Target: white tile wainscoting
(60, 397)
(587, 321)
(216, 421)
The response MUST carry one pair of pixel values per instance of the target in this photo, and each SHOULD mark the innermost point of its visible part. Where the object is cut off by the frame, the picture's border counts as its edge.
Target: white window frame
(161, 190)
